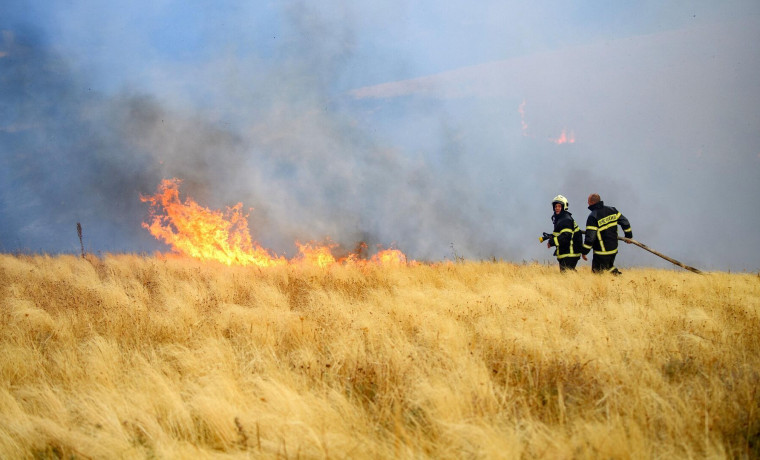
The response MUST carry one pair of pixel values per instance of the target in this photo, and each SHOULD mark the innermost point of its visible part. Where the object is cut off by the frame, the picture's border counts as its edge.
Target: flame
(195, 231)
(392, 257)
(521, 109)
(318, 256)
(199, 232)
(567, 137)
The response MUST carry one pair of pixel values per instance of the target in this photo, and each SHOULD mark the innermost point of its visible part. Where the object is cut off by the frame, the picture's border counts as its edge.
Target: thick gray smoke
(666, 129)
(287, 150)
(64, 156)
(440, 167)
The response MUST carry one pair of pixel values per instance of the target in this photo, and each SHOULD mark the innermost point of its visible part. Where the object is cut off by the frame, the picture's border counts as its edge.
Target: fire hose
(647, 248)
(547, 236)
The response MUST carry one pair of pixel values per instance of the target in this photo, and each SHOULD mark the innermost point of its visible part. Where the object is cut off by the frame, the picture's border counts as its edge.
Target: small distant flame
(567, 137)
(524, 124)
(193, 230)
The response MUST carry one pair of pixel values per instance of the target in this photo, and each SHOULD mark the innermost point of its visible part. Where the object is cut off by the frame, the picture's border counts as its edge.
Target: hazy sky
(443, 128)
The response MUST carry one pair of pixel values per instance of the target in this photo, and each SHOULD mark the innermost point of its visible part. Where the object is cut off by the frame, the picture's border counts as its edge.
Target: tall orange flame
(205, 234)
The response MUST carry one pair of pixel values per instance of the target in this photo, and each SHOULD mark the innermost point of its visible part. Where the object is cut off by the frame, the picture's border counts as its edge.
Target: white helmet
(562, 200)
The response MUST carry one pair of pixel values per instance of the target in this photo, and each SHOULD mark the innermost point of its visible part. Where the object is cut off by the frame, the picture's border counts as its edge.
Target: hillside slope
(135, 357)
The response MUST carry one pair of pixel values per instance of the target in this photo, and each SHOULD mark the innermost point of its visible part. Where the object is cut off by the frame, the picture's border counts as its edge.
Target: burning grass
(128, 356)
(223, 236)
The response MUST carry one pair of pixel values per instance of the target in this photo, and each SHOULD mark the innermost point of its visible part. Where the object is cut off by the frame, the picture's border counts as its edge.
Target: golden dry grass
(135, 357)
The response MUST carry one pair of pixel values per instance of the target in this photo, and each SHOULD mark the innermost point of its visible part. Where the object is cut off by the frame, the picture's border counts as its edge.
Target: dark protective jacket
(601, 229)
(568, 237)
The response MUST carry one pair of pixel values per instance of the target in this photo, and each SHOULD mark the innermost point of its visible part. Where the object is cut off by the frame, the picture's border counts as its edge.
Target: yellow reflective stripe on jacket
(572, 232)
(601, 242)
(590, 227)
(605, 223)
(610, 225)
(576, 229)
(606, 253)
(607, 220)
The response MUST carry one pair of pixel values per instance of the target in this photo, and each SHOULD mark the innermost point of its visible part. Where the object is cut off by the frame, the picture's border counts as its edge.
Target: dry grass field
(127, 356)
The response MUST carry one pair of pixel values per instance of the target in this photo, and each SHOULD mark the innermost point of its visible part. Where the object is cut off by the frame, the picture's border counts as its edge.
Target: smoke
(64, 159)
(661, 128)
(462, 163)
(288, 147)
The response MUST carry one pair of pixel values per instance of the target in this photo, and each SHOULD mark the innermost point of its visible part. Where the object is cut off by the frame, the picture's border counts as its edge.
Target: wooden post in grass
(79, 232)
(647, 248)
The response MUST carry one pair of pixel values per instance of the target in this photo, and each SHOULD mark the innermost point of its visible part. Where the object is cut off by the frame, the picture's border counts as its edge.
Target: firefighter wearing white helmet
(566, 237)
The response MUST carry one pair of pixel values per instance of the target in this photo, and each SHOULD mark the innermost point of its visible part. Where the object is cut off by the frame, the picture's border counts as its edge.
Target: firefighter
(601, 235)
(567, 236)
